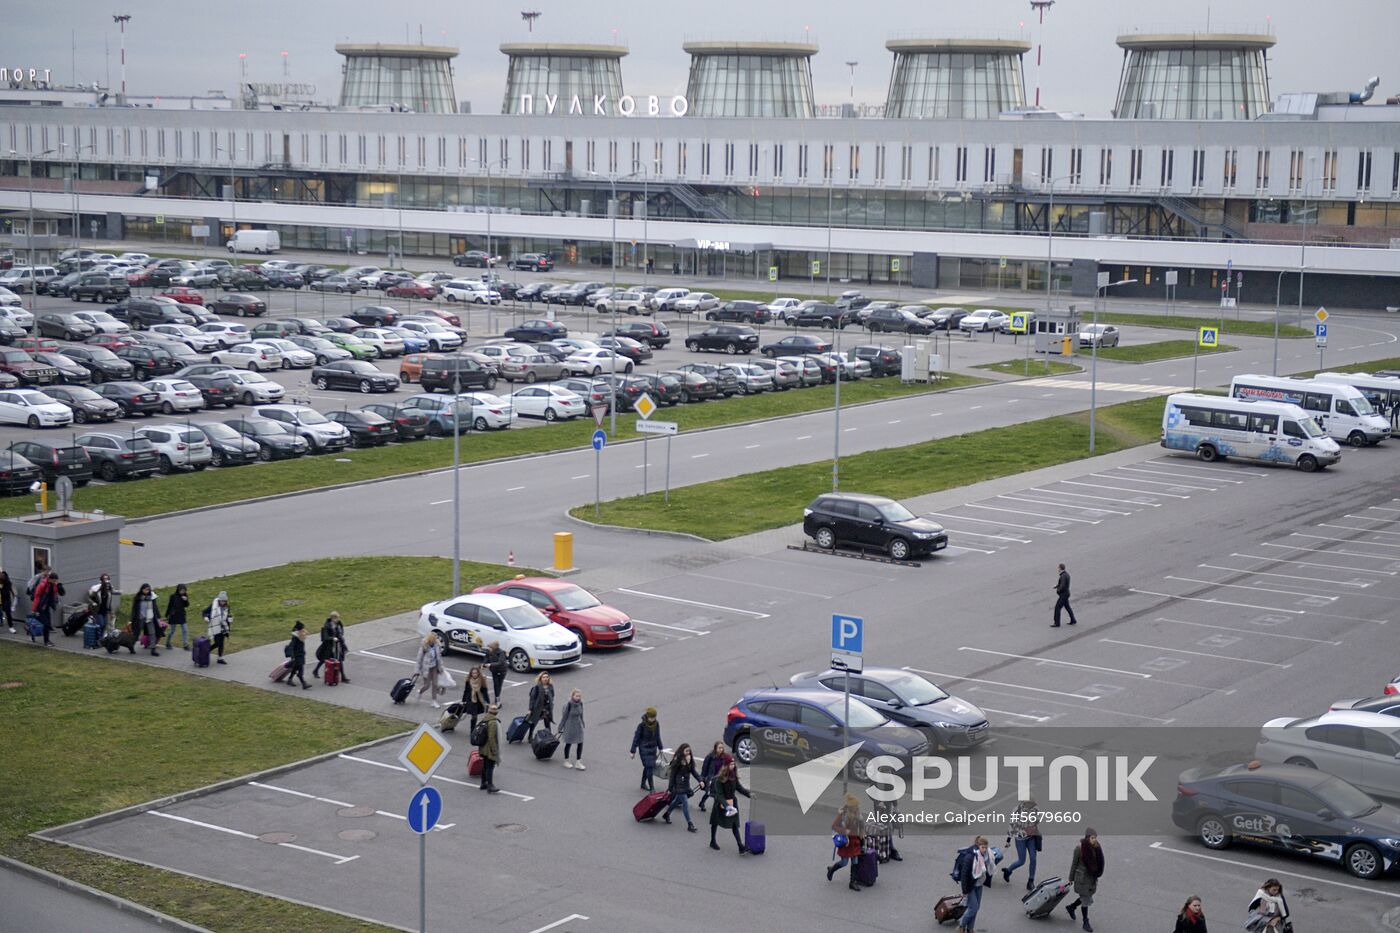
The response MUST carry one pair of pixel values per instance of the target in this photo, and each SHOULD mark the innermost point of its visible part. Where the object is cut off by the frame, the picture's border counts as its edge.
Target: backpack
(962, 863)
(480, 734)
(287, 649)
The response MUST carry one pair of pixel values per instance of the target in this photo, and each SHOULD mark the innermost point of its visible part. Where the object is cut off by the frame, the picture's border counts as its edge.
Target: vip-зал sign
(603, 106)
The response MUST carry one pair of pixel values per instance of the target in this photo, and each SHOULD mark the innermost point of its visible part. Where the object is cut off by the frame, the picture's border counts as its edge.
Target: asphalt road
(31, 904)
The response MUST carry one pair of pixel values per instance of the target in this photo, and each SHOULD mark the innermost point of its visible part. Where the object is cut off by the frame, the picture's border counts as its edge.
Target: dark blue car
(794, 725)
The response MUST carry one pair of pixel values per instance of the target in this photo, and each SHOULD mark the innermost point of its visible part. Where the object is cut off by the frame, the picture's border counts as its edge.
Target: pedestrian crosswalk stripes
(1052, 382)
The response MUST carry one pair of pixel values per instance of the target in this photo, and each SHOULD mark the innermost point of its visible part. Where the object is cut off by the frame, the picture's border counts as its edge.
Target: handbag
(446, 679)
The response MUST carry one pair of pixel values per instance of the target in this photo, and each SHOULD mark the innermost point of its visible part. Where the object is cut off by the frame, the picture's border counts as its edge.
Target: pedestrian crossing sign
(1209, 337)
(816, 267)
(1018, 323)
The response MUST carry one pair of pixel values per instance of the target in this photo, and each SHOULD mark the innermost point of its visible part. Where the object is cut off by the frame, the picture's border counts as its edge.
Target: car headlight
(1390, 841)
(889, 749)
(923, 534)
(954, 726)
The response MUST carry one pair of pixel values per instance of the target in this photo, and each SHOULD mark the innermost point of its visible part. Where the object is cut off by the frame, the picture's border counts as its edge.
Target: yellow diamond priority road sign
(424, 751)
(1321, 315)
(645, 406)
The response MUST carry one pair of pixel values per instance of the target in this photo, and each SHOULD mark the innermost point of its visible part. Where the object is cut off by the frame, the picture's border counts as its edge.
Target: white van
(21, 278)
(1383, 392)
(470, 290)
(1214, 427)
(1341, 411)
(255, 241)
(661, 296)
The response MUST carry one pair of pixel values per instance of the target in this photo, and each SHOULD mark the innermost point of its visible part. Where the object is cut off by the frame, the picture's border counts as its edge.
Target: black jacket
(298, 655)
(679, 781)
(1186, 926)
(137, 602)
(709, 768)
(332, 641)
(496, 660)
(542, 703)
(1062, 584)
(176, 608)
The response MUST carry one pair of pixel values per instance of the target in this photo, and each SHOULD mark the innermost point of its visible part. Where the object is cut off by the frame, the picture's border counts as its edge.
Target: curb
(103, 897)
(649, 532)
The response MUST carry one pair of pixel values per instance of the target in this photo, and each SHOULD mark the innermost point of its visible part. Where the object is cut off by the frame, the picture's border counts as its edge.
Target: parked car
(469, 290)
(64, 325)
(239, 305)
(143, 312)
(448, 373)
(625, 391)
(782, 308)
(338, 283)
(795, 344)
(250, 356)
(216, 388)
(898, 321)
(35, 344)
(946, 318)
(652, 333)
(848, 298)
(884, 361)
(807, 369)
(744, 312)
(183, 295)
(695, 303)
(353, 345)
(596, 393)
(871, 521)
(13, 314)
(322, 434)
(820, 314)
(97, 286)
(1105, 335)
(227, 447)
(910, 699)
(752, 378)
(1361, 748)
(86, 405)
(409, 424)
(197, 340)
(694, 386)
(625, 301)
(784, 374)
(597, 361)
(374, 316)
(353, 374)
(251, 388)
(664, 388)
(283, 278)
(275, 441)
(321, 349)
(547, 402)
(132, 397)
(70, 371)
(570, 605)
(470, 411)
(729, 338)
(366, 428)
(529, 639)
(26, 369)
(178, 447)
(103, 364)
(725, 378)
(436, 335)
(383, 341)
(536, 331)
(293, 356)
(54, 459)
(984, 319)
(531, 262)
(147, 362)
(475, 257)
(118, 456)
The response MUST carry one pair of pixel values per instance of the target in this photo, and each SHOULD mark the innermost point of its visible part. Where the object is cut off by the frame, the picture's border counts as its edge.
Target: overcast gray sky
(175, 47)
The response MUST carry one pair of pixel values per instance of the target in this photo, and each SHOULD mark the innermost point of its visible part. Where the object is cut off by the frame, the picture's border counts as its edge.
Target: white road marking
(515, 489)
(560, 923)
(849, 430)
(1143, 492)
(1066, 505)
(581, 476)
(435, 777)
(677, 628)
(1368, 518)
(935, 414)
(1325, 550)
(440, 502)
(977, 534)
(1085, 495)
(1271, 870)
(1007, 712)
(390, 657)
(1364, 531)
(1202, 654)
(985, 521)
(964, 547)
(698, 456)
(1128, 469)
(1205, 469)
(974, 407)
(338, 803)
(1245, 631)
(765, 586)
(1311, 563)
(1380, 508)
(1261, 589)
(1153, 482)
(638, 647)
(692, 602)
(753, 447)
(1285, 576)
(1058, 518)
(338, 859)
(1218, 602)
(804, 437)
(1039, 660)
(895, 421)
(1299, 534)
(999, 683)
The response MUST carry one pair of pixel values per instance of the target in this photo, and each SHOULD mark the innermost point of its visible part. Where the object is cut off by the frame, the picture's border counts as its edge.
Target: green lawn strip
(1037, 367)
(1370, 366)
(1226, 327)
(130, 733)
(774, 498)
(1151, 352)
(267, 602)
(213, 487)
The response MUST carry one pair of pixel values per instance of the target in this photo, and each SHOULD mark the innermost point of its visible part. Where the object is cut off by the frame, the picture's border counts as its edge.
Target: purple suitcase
(199, 651)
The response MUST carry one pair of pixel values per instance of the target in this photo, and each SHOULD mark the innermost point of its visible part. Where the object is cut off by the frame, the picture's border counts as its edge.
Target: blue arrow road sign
(1320, 330)
(600, 437)
(424, 809)
(847, 633)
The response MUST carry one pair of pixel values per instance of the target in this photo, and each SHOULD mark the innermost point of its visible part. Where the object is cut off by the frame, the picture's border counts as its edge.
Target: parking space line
(339, 803)
(338, 859)
(689, 631)
(1262, 589)
(766, 586)
(1313, 563)
(752, 447)
(1040, 660)
(1058, 518)
(1139, 469)
(1245, 631)
(440, 502)
(1067, 505)
(849, 430)
(1368, 518)
(1218, 602)
(999, 683)
(1285, 576)
(638, 647)
(1364, 531)
(1202, 654)
(1299, 534)
(1153, 482)
(1007, 712)
(1324, 550)
(968, 518)
(435, 777)
(964, 547)
(975, 534)
(1270, 870)
(1141, 492)
(1381, 508)
(1085, 495)
(693, 602)
(581, 476)
(515, 488)
(804, 437)
(698, 456)
(1159, 483)
(559, 923)
(1204, 469)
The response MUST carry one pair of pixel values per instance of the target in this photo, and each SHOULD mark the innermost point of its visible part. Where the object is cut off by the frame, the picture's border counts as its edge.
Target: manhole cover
(510, 827)
(356, 835)
(293, 602)
(356, 811)
(11, 684)
(274, 839)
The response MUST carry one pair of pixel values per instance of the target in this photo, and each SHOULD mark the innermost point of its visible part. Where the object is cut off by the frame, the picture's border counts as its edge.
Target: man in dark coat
(490, 749)
(1062, 598)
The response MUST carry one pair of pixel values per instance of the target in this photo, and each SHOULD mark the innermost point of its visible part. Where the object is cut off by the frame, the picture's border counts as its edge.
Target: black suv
(883, 361)
(533, 262)
(653, 333)
(441, 373)
(823, 315)
(143, 312)
(375, 316)
(897, 320)
(745, 312)
(148, 362)
(55, 460)
(871, 522)
(731, 338)
(96, 286)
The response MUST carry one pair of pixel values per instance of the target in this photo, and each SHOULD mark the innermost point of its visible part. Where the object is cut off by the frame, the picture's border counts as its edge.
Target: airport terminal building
(1198, 168)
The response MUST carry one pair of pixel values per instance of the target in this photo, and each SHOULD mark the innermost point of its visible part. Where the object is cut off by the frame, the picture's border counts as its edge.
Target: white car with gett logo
(530, 640)
(984, 319)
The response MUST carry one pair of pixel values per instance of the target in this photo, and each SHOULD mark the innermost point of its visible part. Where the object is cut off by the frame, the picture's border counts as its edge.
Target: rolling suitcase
(519, 727)
(649, 806)
(543, 743)
(950, 908)
(92, 633)
(474, 764)
(330, 672)
(401, 689)
(867, 868)
(199, 653)
(34, 626)
(75, 622)
(1044, 898)
(279, 673)
(449, 718)
(755, 837)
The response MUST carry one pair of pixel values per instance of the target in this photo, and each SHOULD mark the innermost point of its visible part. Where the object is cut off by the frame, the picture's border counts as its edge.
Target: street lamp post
(1278, 300)
(836, 338)
(1050, 235)
(29, 231)
(457, 470)
(1094, 358)
(613, 207)
(1303, 243)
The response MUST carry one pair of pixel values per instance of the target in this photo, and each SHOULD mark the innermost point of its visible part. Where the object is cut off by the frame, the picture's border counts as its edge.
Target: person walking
(296, 656)
(105, 601)
(1192, 918)
(972, 870)
(177, 616)
(430, 667)
(332, 647)
(725, 814)
(220, 619)
(1025, 833)
(476, 696)
(846, 831)
(1085, 869)
(1062, 598)
(541, 704)
(145, 617)
(646, 738)
(883, 830)
(490, 749)
(571, 729)
(708, 769)
(495, 662)
(7, 600)
(1268, 911)
(678, 784)
(46, 602)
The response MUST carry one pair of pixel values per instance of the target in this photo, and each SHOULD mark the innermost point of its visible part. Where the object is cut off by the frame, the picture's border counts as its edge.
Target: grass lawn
(1226, 326)
(1151, 352)
(1371, 366)
(266, 602)
(774, 498)
(131, 732)
(189, 490)
(1037, 367)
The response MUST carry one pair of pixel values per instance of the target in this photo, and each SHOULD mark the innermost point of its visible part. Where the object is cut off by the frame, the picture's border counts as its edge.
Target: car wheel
(239, 311)
(1212, 833)
(628, 369)
(286, 363)
(1363, 861)
(1300, 762)
(254, 367)
(826, 538)
(1308, 463)
(1207, 453)
(745, 749)
(166, 466)
(108, 471)
(711, 316)
(216, 457)
(247, 398)
(490, 382)
(479, 424)
(322, 383)
(365, 387)
(167, 408)
(549, 414)
(33, 422)
(770, 354)
(519, 661)
(264, 454)
(597, 370)
(860, 767)
(731, 349)
(899, 550)
(435, 429)
(80, 416)
(1356, 439)
(530, 377)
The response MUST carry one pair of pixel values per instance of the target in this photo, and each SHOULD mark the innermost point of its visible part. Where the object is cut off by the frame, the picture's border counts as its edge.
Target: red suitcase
(331, 672)
(278, 673)
(474, 764)
(649, 806)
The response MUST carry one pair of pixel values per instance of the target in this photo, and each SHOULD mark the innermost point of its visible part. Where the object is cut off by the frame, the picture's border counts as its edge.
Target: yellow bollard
(1065, 349)
(563, 550)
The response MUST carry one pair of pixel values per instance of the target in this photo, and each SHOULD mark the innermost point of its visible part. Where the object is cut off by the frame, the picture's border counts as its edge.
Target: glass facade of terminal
(564, 76)
(741, 85)
(419, 83)
(1193, 84)
(954, 85)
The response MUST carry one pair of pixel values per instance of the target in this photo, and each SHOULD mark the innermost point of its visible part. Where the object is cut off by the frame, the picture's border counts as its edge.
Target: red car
(111, 341)
(447, 316)
(572, 606)
(36, 344)
(412, 290)
(142, 277)
(183, 294)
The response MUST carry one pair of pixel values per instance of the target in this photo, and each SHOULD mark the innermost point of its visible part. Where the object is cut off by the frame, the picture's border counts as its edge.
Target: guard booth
(80, 546)
(1052, 327)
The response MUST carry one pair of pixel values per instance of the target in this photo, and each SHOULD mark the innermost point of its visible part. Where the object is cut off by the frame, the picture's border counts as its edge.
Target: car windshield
(523, 617)
(862, 716)
(1362, 406)
(315, 343)
(913, 689)
(182, 386)
(220, 432)
(265, 428)
(1346, 801)
(574, 598)
(1310, 428)
(361, 366)
(249, 378)
(894, 512)
(311, 416)
(81, 394)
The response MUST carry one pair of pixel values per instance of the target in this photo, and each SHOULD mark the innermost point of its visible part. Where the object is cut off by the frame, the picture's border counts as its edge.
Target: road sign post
(645, 408)
(847, 645)
(600, 439)
(424, 751)
(1208, 337)
(1019, 327)
(670, 429)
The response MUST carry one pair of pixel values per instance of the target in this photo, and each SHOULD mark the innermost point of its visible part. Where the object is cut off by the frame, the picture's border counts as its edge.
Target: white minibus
(1214, 427)
(1341, 411)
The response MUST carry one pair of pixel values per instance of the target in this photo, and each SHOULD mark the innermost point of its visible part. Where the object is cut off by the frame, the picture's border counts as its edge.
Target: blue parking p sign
(847, 633)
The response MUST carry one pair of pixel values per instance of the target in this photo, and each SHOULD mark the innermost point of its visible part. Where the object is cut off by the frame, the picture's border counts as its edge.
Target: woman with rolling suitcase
(972, 870)
(333, 647)
(145, 618)
(220, 619)
(725, 814)
(678, 784)
(1085, 869)
(541, 703)
(846, 831)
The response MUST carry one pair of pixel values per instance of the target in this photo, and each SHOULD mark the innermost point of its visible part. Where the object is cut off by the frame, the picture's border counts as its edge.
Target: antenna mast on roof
(529, 16)
(1039, 7)
(121, 19)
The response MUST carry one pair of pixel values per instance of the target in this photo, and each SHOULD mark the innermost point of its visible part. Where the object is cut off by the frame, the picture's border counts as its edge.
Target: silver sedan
(753, 378)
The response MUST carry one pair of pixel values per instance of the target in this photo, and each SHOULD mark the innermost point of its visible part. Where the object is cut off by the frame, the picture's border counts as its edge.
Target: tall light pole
(121, 19)
(29, 231)
(1094, 357)
(487, 166)
(1050, 235)
(457, 469)
(852, 66)
(613, 208)
(835, 334)
(1278, 300)
(1303, 243)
